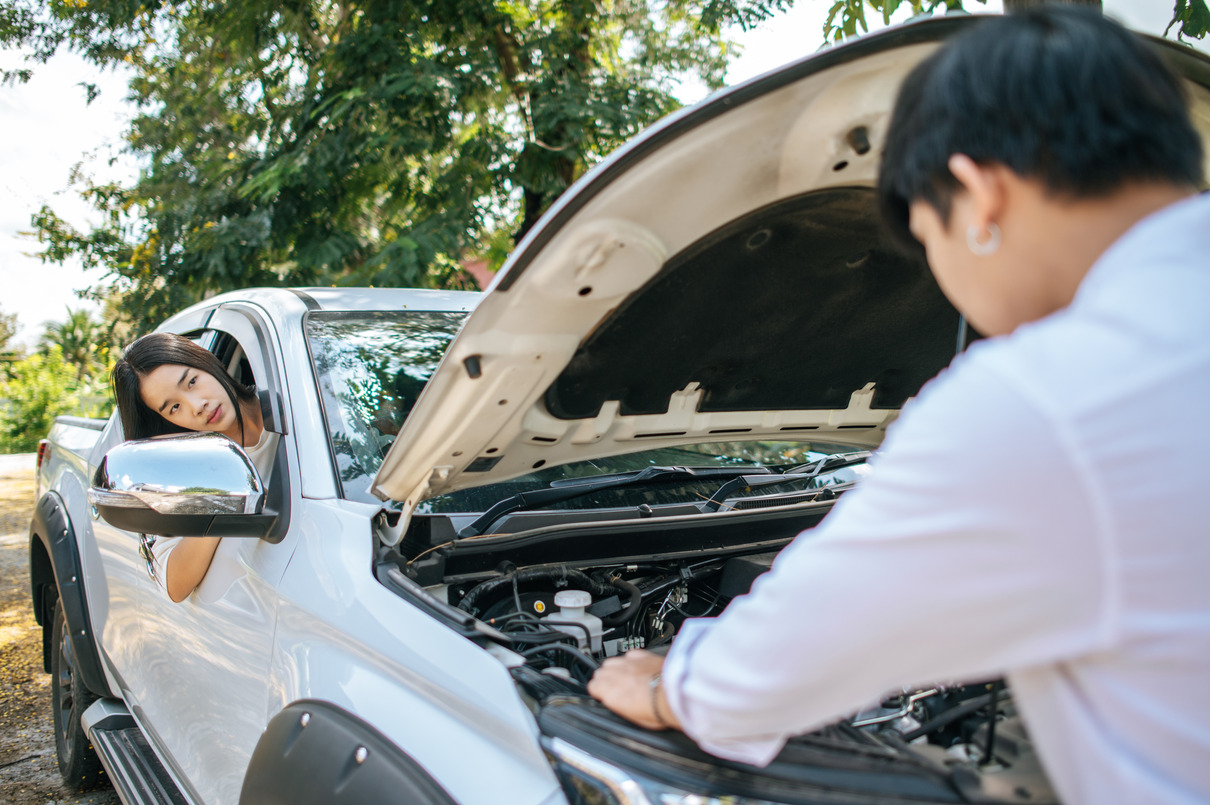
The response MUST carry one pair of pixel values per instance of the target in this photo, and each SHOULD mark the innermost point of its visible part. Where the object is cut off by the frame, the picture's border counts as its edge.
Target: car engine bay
(564, 621)
(631, 580)
(962, 742)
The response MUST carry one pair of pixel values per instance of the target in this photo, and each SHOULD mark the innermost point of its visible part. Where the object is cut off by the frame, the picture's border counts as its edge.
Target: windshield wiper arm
(803, 472)
(557, 494)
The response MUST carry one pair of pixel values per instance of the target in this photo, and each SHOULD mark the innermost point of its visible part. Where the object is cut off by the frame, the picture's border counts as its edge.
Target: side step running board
(133, 768)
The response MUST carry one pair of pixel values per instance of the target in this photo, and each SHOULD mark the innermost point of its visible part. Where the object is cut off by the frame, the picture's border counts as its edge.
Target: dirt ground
(28, 771)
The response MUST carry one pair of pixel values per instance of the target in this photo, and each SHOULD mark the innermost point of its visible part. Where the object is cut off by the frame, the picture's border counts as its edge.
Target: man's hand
(624, 685)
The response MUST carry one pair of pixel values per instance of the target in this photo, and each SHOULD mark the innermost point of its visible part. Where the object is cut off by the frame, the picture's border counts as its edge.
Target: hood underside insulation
(717, 315)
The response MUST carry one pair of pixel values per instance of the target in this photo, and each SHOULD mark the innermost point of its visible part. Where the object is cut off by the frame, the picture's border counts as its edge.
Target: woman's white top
(262, 454)
(1041, 511)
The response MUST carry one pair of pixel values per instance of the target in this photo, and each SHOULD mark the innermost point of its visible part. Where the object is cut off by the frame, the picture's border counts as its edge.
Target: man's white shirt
(1041, 511)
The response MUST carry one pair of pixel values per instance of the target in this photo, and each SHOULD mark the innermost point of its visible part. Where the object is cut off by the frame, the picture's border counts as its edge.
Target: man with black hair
(1037, 511)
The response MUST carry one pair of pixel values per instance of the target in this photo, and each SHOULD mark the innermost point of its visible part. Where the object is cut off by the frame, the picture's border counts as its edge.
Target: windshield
(772, 455)
(371, 368)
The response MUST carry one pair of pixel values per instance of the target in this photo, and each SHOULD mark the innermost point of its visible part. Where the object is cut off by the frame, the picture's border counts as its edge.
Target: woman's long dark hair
(149, 353)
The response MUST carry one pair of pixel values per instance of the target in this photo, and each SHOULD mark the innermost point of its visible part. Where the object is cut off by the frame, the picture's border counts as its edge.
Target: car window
(371, 368)
(774, 455)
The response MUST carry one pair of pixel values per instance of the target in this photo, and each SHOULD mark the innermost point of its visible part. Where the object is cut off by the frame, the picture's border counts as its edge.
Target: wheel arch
(317, 752)
(54, 562)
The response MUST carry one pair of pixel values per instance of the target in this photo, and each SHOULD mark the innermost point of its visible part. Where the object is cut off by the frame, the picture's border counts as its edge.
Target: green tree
(1191, 18)
(8, 330)
(18, 27)
(365, 142)
(847, 18)
(81, 339)
(40, 388)
(9, 352)
(373, 142)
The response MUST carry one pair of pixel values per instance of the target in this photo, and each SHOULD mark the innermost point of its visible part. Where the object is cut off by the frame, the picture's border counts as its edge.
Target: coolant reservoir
(571, 604)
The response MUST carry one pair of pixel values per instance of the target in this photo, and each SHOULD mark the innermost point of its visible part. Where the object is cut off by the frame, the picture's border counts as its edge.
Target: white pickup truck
(476, 498)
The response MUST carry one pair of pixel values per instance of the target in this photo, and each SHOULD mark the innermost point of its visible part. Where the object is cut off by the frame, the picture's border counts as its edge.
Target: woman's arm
(187, 566)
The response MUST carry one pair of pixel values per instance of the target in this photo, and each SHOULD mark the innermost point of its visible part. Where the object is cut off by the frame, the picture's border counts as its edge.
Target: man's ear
(983, 185)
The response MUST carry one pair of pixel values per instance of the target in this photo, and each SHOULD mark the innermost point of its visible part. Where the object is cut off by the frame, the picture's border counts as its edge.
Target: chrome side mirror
(191, 484)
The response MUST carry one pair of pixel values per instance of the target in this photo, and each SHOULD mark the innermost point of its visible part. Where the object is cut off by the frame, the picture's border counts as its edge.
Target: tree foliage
(8, 330)
(364, 142)
(69, 374)
(18, 27)
(40, 388)
(848, 18)
(10, 352)
(81, 340)
(371, 142)
(1191, 19)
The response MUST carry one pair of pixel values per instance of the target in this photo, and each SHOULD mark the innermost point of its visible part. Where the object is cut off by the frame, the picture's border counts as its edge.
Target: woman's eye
(192, 380)
(172, 410)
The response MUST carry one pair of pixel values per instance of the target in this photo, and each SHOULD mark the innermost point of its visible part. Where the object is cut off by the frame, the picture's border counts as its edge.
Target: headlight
(601, 759)
(588, 780)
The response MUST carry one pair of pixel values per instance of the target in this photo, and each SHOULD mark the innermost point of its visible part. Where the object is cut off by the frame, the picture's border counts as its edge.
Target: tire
(78, 762)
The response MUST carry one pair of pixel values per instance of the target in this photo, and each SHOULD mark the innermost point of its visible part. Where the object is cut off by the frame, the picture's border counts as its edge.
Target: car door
(206, 659)
(115, 577)
(118, 570)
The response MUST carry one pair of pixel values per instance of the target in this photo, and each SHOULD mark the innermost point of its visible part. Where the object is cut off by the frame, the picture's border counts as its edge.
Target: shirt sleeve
(970, 550)
(263, 454)
(160, 550)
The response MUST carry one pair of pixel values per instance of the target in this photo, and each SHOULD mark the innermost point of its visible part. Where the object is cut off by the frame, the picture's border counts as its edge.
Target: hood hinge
(389, 525)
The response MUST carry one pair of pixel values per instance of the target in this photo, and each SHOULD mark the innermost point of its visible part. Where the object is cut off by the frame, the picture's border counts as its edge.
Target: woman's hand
(187, 566)
(625, 685)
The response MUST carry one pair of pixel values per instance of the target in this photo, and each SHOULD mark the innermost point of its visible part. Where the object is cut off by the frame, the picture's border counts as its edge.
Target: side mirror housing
(184, 485)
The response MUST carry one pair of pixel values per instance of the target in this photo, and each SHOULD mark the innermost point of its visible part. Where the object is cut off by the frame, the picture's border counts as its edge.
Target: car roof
(387, 298)
(285, 303)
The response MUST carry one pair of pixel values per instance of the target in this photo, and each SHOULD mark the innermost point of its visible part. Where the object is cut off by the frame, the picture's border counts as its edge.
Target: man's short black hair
(1058, 94)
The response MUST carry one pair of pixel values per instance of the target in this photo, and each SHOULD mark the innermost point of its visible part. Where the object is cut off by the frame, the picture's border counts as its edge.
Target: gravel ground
(28, 771)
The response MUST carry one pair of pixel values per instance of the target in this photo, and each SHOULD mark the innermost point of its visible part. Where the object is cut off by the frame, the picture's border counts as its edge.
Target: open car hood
(721, 277)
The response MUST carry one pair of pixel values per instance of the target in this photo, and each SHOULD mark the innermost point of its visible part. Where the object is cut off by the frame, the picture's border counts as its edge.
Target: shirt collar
(1177, 228)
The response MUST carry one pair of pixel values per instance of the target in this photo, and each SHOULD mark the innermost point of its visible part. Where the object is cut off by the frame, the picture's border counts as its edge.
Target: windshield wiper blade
(803, 472)
(556, 494)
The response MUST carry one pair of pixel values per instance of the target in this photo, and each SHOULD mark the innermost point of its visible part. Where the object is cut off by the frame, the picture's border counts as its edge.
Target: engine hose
(573, 579)
(633, 603)
(949, 716)
(574, 653)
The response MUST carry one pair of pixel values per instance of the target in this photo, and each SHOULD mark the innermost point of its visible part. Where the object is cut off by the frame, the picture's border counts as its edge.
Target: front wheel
(78, 761)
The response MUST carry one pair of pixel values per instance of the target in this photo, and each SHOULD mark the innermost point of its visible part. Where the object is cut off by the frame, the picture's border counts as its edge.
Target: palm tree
(9, 352)
(79, 337)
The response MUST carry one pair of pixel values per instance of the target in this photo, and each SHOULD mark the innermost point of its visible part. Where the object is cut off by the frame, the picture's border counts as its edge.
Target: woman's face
(189, 398)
